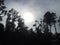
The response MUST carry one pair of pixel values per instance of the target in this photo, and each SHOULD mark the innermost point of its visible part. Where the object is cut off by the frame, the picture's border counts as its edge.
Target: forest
(21, 35)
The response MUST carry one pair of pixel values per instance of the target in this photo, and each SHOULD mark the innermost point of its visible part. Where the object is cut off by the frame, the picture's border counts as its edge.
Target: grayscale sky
(37, 7)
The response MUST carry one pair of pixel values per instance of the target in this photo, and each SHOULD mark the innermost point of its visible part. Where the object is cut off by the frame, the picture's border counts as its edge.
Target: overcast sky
(37, 7)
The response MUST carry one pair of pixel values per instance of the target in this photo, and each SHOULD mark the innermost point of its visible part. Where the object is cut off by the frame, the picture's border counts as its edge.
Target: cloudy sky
(37, 7)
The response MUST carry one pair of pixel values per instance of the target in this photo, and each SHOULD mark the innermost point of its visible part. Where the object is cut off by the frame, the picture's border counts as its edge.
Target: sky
(37, 7)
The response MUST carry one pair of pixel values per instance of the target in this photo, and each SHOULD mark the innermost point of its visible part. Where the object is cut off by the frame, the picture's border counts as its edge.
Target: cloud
(38, 7)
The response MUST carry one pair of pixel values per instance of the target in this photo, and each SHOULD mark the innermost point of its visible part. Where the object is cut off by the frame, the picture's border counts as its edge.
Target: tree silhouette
(22, 28)
(53, 20)
(50, 19)
(20, 24)
(12, 15)
(1, 27)
(59, 20)
(2, 9)
(2, 13)
(38, 27)
(47, 19)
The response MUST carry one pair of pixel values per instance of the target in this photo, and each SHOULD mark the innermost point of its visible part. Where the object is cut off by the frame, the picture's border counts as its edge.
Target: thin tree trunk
(47, 26)
(50, 29)
(55, 29)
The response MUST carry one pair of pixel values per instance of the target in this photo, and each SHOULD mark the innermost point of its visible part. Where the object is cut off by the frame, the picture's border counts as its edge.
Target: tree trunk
(50, 28)
(55, 29)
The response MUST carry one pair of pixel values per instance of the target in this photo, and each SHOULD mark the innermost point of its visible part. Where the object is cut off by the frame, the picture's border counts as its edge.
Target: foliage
(50, 19)
(2, 9)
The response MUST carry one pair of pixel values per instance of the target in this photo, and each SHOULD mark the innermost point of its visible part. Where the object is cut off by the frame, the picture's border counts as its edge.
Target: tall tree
(47, 19)
(53, 20)
(2, 13)
(50, 19)
(12, 15)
